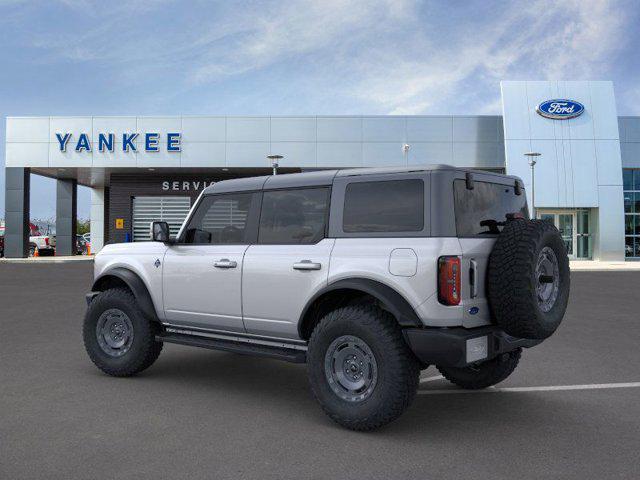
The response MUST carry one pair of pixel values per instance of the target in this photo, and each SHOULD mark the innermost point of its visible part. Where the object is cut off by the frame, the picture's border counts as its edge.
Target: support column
(610, 224)
(17, 189)
(66, 217)
(97, 219)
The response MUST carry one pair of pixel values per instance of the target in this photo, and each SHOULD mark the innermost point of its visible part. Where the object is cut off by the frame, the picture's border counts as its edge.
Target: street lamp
(274, 159)
(532, 163)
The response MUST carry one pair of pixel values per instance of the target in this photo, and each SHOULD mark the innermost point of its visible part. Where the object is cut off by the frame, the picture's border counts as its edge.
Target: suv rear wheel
(119, 339)
(476, 377)
(360, 369)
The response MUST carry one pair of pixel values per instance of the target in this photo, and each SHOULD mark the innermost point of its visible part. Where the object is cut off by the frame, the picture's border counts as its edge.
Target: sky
(147, 57)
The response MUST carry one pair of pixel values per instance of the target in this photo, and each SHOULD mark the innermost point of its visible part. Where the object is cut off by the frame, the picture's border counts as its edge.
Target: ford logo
(560, 109)
(474, 310)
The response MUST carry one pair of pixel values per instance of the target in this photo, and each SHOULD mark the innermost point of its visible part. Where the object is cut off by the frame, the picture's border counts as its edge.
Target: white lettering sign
(185, 186)
(561, 107)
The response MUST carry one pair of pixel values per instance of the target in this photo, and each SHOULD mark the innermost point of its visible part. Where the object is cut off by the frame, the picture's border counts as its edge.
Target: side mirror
(160, 232)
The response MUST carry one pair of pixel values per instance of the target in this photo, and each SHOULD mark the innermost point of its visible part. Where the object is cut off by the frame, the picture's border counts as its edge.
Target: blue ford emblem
(474, 310)
(560, 109)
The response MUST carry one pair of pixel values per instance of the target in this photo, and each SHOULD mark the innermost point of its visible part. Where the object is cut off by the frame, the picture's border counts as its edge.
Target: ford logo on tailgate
(560, 109)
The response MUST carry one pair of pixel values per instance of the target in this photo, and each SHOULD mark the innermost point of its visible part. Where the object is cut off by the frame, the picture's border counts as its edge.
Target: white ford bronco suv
(367, 275)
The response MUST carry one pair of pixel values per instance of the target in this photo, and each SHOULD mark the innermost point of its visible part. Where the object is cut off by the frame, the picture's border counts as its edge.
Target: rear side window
(296, 216)
(386, 206)
(483, 210)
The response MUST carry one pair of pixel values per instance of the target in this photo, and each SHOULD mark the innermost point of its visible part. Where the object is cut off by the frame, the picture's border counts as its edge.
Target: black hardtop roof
(323, 177)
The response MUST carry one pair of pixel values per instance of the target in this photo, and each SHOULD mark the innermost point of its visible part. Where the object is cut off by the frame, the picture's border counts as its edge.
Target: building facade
(152, 168)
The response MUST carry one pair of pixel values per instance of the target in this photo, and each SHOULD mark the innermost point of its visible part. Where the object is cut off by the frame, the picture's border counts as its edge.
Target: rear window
(386, 206)
(296, 216)
(483, 210)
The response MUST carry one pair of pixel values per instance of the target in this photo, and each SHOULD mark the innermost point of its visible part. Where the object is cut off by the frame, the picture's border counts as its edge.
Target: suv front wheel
(118, 337)
(360, 369)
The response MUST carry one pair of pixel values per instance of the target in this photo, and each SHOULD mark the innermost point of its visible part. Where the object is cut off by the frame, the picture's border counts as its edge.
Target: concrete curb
(49, 260)
(595, 266)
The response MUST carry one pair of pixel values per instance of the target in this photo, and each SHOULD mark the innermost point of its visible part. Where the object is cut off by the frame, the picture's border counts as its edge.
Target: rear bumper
(460, 347)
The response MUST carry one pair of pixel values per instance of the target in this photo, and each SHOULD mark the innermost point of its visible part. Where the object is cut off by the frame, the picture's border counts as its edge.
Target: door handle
(225, 263)
(473, 278)
(307, 265)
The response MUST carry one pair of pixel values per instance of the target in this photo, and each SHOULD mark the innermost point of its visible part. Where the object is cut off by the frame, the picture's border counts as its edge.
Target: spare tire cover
(528, 279)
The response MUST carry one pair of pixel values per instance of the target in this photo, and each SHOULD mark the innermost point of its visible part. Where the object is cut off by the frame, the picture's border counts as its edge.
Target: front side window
(386, 206)
(296, 216)
(220, 219)
(483, 210)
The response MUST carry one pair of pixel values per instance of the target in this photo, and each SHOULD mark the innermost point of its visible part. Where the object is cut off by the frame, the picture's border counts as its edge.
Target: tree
(84, 226)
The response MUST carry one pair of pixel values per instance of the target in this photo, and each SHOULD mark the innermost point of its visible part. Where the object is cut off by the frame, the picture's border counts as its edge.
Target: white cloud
(391, 56)
(538, 40)
(295, 29)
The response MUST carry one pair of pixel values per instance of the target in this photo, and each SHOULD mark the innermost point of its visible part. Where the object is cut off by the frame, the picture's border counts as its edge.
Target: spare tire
(528, 279)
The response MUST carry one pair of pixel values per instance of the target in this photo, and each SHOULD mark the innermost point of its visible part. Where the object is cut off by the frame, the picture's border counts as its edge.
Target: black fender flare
(394, 302)
(135, 284)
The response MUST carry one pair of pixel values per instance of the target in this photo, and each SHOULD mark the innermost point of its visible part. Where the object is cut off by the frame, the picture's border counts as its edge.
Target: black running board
(286, 354)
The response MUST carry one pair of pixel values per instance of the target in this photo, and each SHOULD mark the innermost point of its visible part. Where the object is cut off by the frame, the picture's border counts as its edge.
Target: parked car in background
(44, 243)
(1, 242)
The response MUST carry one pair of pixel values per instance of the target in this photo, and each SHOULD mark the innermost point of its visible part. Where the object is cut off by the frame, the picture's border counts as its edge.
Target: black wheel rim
(351, 368)
(547, 279)
(114, 332)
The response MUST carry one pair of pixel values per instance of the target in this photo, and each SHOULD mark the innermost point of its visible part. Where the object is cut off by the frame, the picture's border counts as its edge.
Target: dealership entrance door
(575, 228)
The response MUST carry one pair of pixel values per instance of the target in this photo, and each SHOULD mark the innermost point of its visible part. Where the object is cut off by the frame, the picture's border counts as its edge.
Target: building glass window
(631, 182)
(583, 236)
(575, 228)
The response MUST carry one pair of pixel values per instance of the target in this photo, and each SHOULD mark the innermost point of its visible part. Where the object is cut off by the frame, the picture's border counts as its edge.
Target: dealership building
(586, 178)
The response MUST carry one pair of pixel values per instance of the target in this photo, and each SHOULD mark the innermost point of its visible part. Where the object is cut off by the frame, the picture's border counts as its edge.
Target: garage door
(172, 210)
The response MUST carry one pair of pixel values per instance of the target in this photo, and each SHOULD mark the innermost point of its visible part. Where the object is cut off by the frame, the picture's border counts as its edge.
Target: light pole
(274, 159)
(532, 163)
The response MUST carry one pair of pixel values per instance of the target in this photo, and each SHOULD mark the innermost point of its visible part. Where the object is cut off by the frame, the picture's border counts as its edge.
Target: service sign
(560, 109)
(149, 141)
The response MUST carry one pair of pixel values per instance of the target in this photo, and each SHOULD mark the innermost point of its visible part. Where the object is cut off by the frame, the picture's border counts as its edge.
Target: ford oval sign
(560, 109)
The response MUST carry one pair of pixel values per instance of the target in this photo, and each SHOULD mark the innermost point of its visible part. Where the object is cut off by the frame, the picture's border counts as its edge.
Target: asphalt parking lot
(204, 414)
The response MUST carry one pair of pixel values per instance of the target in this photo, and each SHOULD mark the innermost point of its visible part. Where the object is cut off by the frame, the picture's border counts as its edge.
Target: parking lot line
(548, 388)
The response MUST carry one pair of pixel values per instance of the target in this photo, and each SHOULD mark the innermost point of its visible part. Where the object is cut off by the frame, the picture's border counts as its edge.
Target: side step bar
(286, 354)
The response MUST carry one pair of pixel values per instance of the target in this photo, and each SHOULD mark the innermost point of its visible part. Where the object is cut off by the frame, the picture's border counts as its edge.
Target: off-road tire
(485, 374)
(397, 368)
(512, 281)
(144, 349)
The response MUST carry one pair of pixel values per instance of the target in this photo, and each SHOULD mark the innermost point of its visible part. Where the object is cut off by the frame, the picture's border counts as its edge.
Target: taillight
(449, 280)
(46, 241)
